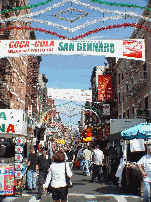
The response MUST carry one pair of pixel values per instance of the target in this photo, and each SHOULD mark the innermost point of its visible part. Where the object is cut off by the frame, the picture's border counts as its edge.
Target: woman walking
(56, 176)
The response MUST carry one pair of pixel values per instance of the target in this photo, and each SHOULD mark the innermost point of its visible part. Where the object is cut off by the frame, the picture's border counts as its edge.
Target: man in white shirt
(144, 165)
(98, 157)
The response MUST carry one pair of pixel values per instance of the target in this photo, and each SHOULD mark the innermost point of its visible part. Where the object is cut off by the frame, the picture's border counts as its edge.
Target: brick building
(133, 79)
(19, 75)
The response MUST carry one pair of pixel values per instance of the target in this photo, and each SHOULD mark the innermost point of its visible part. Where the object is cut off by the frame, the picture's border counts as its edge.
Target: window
(122, 76)
(146, 105)
(133, 111)
(128, 114)
(118, 78)
(127, 87)
(145, 72)
(119, 98)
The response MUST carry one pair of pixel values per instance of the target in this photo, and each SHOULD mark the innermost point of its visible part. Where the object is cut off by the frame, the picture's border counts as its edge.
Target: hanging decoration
(124, 25)
(119, 15)
(96, 1)
(88, 23)
(71, 9)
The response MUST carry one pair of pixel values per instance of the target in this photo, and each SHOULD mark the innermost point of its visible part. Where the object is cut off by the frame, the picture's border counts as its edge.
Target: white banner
(137, 145)
(130, 49)
(70, 94)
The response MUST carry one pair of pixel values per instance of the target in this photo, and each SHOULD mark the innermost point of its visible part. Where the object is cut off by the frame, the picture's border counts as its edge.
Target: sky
(75, 71)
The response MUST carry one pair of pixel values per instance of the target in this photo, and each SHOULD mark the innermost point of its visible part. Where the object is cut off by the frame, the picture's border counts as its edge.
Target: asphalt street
(83, 190)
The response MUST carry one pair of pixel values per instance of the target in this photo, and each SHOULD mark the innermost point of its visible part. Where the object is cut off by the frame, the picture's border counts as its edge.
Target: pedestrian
(87, 159)
(44, 162)
(56, 175)
(81, 158)
(32, 169)
(71, 156)
(97, 158)
(144, 165)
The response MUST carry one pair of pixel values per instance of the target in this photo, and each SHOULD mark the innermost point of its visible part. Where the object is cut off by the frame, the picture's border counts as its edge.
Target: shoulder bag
(68, 180)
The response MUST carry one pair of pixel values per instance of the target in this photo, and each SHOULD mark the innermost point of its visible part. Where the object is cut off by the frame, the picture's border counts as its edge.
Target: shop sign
(106, 109)
(29, 110)
(130, 49)
(7, 180)
(60, 141)
(105, 90)
(13, 121)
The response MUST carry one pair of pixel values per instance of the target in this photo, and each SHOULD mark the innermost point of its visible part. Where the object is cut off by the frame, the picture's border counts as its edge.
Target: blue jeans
(82, 164)
(31, 179)
(146, 195)
(87, 166)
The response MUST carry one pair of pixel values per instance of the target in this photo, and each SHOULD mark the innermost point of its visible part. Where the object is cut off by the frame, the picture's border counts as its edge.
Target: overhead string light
(124, 25)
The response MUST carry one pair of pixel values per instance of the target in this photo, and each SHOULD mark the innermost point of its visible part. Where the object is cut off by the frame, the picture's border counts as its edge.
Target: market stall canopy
(142, 130)
(119, 125)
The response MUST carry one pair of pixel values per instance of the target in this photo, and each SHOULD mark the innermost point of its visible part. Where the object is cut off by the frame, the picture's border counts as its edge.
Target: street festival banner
(70, 94)
(130, 49)
(105, 90)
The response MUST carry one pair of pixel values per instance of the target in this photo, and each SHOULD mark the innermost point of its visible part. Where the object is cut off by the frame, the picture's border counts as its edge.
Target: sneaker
(38, 197)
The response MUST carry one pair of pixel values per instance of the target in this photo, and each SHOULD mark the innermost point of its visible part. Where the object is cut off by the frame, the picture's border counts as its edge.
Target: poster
(18, 149)
(7, 173)
(18, 187)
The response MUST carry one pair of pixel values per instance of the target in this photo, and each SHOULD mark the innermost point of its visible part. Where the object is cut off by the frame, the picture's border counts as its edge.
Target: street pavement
(83, 190)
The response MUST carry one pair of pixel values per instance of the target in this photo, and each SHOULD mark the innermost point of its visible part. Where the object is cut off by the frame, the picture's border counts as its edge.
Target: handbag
(68, 180)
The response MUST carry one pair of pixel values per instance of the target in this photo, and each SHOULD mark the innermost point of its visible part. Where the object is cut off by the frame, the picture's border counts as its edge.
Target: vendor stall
(13, 132)
(134, 144)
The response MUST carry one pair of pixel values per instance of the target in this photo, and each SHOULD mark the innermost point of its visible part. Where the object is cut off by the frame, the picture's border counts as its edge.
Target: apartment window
(128, 114)
(133, 112)
(145, 72)
(127, 87)
(118, 78)
(146, 105)
(119, 98)
(122, 76)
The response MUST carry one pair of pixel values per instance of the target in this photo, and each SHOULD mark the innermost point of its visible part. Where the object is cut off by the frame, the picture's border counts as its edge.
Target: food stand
(13, 128)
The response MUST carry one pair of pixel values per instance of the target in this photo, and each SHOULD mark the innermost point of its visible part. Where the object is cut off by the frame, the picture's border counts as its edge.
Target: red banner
(105, 90)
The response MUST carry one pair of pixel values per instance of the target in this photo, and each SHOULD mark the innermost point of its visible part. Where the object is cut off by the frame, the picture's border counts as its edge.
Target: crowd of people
(52, 169)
